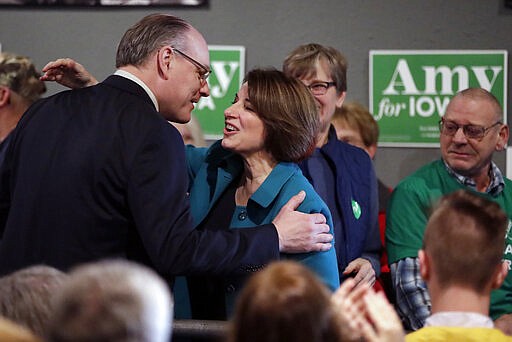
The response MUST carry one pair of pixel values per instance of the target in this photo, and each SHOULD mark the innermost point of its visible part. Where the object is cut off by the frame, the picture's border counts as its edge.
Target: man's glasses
(320, 88)
(202, 69)
(476, 132)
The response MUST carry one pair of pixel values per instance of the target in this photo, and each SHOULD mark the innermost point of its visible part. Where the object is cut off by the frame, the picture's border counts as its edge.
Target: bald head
(479, 94)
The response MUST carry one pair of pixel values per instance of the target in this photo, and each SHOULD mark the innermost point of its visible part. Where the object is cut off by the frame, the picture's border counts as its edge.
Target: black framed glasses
(320, 88)
(448, 127)
(202, 69)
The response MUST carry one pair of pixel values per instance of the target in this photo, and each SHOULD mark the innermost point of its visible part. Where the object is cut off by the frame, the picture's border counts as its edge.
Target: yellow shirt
(442, 334)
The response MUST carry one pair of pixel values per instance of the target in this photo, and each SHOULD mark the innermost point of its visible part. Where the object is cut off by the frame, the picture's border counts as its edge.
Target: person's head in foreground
(112, 301)
(463, 245)
(284, 302)
(26, 296)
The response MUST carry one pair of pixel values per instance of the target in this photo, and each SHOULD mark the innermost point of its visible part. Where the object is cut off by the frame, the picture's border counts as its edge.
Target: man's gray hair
(148, 35)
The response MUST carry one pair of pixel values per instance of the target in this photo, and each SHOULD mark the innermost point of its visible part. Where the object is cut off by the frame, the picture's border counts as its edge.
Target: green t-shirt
(410, 207)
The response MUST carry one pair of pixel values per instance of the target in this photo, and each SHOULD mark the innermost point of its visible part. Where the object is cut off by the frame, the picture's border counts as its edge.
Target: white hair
(113, 301)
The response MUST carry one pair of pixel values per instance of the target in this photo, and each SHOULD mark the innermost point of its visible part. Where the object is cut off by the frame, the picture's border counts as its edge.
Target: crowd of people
(103, 204)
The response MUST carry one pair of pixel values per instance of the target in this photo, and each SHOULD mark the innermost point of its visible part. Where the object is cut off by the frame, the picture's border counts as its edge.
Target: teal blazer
(211, 170)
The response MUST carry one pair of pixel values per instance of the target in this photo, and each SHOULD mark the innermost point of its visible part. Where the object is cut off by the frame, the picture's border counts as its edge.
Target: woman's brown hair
(288, 111)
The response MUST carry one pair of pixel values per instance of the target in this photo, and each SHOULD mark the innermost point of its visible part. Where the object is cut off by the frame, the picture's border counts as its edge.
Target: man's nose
(204, 90)
(459, 135)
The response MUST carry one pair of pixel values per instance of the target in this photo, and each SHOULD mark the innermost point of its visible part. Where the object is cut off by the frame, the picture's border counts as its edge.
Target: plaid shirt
(495, 187)
(412, 298)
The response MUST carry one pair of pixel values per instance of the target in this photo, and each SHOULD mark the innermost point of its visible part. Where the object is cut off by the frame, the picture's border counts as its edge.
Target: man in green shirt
(471, 130)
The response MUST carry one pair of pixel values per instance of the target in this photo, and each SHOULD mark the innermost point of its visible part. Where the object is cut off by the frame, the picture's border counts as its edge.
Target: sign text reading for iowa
(431, 100)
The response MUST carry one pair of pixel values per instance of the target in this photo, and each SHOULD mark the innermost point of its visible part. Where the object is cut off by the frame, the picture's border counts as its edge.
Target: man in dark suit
(97, 172)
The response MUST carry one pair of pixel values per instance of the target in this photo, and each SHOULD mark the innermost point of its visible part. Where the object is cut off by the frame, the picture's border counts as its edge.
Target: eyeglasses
(320, 88)
(476, 132)
(202, 69)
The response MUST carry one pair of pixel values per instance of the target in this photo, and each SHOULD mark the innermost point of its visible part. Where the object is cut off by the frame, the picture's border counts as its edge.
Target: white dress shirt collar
(130, 76)
(459, 319)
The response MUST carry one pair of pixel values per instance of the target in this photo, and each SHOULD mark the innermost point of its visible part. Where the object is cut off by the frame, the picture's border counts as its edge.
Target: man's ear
(502, 138)
(5, 96)
(499, 275)
(165, 57)
(424, 265)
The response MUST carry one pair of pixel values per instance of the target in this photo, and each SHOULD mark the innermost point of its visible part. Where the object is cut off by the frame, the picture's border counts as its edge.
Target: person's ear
(5, 96)
(165, 57)
(502, 137)
(500, 274)
(372, 149)
(341, 99)
(424, 264)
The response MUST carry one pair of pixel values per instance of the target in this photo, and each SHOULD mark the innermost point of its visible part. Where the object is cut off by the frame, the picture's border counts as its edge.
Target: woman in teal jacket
(244, 179)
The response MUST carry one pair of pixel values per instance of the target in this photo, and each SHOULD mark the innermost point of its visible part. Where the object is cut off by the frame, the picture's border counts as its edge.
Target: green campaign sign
(409, 90)
(228, 70)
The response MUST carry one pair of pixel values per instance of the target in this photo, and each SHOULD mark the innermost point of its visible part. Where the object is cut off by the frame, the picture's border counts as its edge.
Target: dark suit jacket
(97, 173)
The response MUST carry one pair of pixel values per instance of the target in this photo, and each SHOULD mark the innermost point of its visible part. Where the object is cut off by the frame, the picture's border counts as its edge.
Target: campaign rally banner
(228, 70)
(409, 90)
